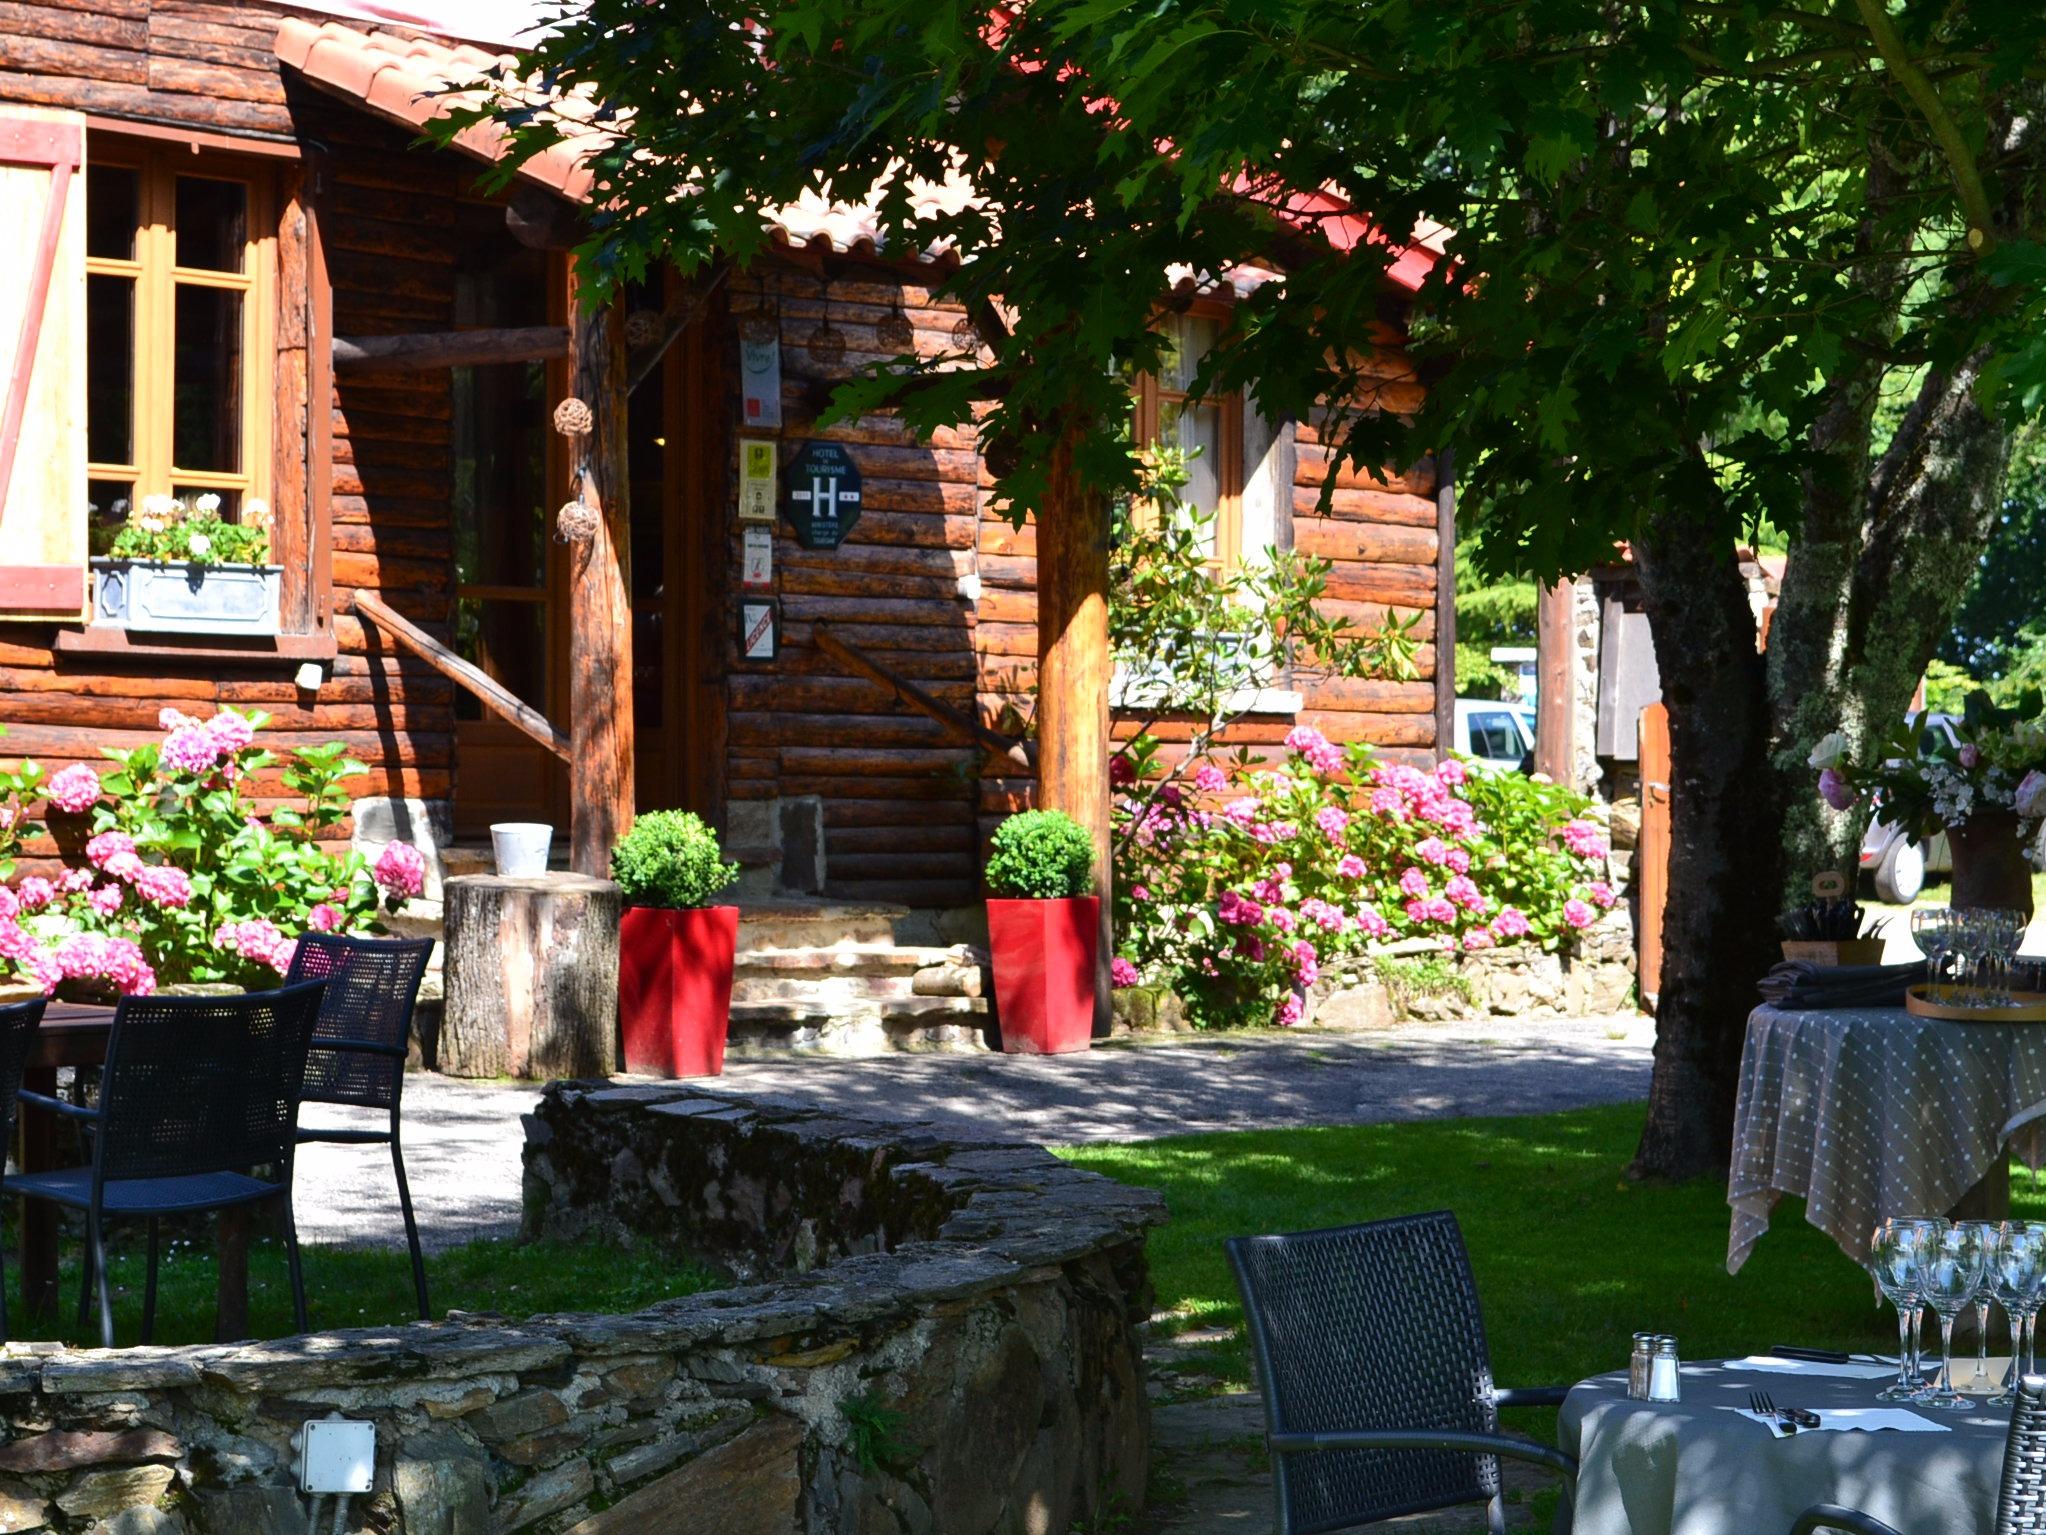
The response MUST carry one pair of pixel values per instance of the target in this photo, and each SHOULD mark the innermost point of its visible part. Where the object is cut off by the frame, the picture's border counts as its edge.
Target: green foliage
(1947, 687)
(2001, 623)
(190, 531)
(1408, 980)
(1040, 855)
(670, 858)
(874, 1434)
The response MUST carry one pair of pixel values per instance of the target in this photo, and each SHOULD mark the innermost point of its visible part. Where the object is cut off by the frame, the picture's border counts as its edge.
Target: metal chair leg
(298, 1311)
(85, 1286)
(411, 1230)
(96, 1246)
(149, 1288)
(5, 1331)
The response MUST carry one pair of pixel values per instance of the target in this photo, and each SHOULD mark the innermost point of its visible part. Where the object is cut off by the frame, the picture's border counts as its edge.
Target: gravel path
(462, 1139)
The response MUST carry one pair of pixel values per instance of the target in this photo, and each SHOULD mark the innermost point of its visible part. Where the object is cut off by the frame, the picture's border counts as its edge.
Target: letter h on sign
(823, 495)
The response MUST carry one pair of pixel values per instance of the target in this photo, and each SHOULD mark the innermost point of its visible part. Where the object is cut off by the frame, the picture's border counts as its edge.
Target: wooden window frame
(157, 277)
(1152, 400)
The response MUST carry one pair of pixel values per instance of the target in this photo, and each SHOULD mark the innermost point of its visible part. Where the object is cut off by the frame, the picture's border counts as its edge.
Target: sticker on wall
(757, 631)
(824, 494)
(756, 562)
(758, 461)
(760, 374)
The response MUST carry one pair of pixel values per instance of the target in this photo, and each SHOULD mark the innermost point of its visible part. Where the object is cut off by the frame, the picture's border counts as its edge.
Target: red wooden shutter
(42, 346)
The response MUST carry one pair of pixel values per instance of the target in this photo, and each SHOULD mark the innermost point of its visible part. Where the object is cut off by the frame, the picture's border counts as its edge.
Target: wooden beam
(1073, 672)
(1555, 701)
(542, 221)
(677, 317)
(495, 697)
(1445, 603)
(451, 348)
(961, 727)
(600, 601)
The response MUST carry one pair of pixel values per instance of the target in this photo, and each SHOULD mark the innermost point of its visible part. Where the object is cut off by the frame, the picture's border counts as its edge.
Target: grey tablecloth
(1693, 1468)
(1870, 1112)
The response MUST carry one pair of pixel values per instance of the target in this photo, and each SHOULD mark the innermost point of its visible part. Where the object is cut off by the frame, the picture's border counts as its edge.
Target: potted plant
(1043, 930)
(675, 950)
(176, 566)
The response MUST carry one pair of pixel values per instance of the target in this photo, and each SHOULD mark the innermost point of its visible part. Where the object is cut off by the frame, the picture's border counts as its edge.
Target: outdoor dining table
(76, 1034)
(1868, 1112)
(1699, 1467)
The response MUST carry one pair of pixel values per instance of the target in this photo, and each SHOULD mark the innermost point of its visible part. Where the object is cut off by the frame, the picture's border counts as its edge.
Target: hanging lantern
(576, 522)
(759, 327)
(572, 418)
(642, 328)
(894, 331)
(966, 335)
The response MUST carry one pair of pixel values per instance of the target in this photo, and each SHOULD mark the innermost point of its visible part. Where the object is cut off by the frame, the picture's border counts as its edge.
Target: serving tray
(2030, 1008)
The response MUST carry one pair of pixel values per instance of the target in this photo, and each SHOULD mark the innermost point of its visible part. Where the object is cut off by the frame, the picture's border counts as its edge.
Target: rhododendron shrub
(1240, 883)
(184, 876)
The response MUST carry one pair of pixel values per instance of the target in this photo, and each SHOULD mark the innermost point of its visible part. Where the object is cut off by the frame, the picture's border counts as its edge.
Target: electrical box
(339, 1456)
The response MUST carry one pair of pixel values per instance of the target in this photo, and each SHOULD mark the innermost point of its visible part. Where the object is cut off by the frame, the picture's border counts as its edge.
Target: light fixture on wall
(894, 331)
(826, 345)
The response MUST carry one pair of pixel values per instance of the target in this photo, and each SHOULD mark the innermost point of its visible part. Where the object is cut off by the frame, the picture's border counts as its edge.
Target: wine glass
(1990, 1234)
(1948, 1280)
(2010, 934)
(1898, 1254)
(1931, 930)
(2016, 1278)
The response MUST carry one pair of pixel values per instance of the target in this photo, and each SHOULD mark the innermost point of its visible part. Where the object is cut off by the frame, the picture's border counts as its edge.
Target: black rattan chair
(359, 1045)
(2021, 1501)
(197, 1092)
(18, 1024)
(1377, 1383)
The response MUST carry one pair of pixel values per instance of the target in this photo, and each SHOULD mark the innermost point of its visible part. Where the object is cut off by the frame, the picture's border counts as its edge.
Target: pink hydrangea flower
(1835, 790)
(1328, 918)
(163, 884)
(1306, 963)
(1271, 833)
(169, 718)
(10, 902)
(1241, 811)
(1370, 923)
(1331, 821)
(1122, 973)
(1463, 890)
(36, 892)
(106, 900)
(1433, 909)
(230, 731)
(75, 789)
(1210, 779)
(1290, 1012)
(1577, 914)
(1600, 894)
(107, 845)
(1120, 774)
(1449, 772)
(125, 866)
(1510, 923)
(85, 956)
(1584, 839)
(257, 940)
(1304, 739)
(1350, 866)
(189, 749)
(1414, 881)
(1281, 918)
(1239, 911)
(400, 870)
(1140, 892)
(1432, 850)
(71, 881)
(1389, 803)
(1251, 947)
(1477, 938)
(1458, 861)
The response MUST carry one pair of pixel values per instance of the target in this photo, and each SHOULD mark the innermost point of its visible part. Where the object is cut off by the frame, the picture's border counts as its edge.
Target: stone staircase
(841, 979)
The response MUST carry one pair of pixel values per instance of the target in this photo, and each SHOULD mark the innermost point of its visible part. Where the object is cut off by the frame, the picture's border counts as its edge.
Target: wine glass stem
(1946, 1351)
(1917, 1350)
(1903, 1347)
(1981, 1339)
(2031, 1337)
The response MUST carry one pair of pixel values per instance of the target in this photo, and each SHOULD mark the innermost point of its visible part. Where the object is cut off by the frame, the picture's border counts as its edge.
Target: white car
(1495, 734)
(1897, 865)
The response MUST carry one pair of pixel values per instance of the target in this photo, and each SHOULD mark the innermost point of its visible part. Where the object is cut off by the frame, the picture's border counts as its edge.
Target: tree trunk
(1724, 847)
(532, 978)
(1073, 675)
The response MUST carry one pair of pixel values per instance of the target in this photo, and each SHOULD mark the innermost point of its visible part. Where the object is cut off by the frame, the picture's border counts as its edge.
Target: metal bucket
(521, 848)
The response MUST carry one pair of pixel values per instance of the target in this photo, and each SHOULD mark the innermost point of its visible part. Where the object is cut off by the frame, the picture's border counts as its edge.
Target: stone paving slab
(463, 1139)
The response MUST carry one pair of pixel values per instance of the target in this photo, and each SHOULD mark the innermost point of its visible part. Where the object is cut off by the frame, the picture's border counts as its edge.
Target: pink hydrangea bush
(1242, 883)
(188, 875)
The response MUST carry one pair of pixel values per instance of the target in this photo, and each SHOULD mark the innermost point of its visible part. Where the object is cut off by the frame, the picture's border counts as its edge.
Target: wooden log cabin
(260, 284)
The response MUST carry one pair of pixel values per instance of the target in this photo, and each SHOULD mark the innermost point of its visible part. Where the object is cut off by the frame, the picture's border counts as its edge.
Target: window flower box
(181, 597)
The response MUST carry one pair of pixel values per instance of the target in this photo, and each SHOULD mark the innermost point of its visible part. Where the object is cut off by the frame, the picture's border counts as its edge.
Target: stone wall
(942, 1341)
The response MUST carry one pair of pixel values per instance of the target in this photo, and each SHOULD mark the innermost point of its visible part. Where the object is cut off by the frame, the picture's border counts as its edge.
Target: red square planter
(675, 988)
(1044, 972)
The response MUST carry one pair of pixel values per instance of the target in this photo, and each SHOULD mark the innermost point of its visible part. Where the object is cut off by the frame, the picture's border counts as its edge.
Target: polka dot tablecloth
(1869, 1112)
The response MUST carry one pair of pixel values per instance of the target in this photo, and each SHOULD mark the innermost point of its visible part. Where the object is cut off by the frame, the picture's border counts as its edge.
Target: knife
(1811, 1355)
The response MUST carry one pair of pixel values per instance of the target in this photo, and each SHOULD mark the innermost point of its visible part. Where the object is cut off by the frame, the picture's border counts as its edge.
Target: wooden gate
(1651, 852)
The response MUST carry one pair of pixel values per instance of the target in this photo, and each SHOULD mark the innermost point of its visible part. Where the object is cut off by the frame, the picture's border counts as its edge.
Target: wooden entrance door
(511, 589)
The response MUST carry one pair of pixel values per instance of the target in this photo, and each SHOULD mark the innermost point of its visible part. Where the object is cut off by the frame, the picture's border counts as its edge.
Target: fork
(1763, 1404)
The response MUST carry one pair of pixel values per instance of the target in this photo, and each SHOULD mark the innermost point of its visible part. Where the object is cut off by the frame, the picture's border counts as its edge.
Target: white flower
(158, 505)
(208, 504)
(256, 512)
(121, 507)
(200, 545)
(2030, 799)
(1830, 752)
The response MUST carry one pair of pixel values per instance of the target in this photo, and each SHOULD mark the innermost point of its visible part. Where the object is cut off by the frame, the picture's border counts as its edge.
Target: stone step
(817, 925)
(889, 1010)
(824, 991)
(875, 959)
(912, 1024)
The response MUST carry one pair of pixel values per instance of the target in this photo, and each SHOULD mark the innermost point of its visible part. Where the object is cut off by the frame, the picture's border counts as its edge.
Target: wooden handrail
(959, 726)
(493, 695)
(451, 348)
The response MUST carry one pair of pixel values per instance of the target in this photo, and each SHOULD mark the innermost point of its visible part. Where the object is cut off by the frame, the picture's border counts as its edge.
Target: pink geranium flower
(1122, 973)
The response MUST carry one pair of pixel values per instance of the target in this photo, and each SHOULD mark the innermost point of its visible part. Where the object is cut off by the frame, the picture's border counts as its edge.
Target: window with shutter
(42, 339)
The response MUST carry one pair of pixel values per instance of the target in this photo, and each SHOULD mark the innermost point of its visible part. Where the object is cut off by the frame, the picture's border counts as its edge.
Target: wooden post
(600, 601)
(1555, 673)
(1073, 674)
(1445, 603)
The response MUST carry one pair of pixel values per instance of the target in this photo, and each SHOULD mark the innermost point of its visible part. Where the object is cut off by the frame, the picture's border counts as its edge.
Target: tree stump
(531, 977)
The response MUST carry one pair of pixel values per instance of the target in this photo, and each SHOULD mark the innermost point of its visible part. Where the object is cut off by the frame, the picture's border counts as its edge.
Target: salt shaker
(1638, 1365)
(1662, 1372)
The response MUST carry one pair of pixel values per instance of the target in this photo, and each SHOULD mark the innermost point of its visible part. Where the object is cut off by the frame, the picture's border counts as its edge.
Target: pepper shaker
(1638, 1365)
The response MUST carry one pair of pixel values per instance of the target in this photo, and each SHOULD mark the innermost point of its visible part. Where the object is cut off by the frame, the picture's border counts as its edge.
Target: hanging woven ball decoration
(642, 327)
(760, 327)
(894, 331)
(826, 345)
(576, 522)
(965, 334)
(573, 418)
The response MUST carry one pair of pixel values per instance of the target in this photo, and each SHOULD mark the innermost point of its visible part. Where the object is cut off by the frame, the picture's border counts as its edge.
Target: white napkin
(1841, 1419)
(1769, 1364)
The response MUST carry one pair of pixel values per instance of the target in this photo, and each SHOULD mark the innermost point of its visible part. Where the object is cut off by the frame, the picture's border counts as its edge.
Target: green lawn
(348, 1287)
(1571, 1259)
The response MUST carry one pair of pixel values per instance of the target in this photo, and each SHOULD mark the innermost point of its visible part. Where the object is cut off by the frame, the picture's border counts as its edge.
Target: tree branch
(1945, 131)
